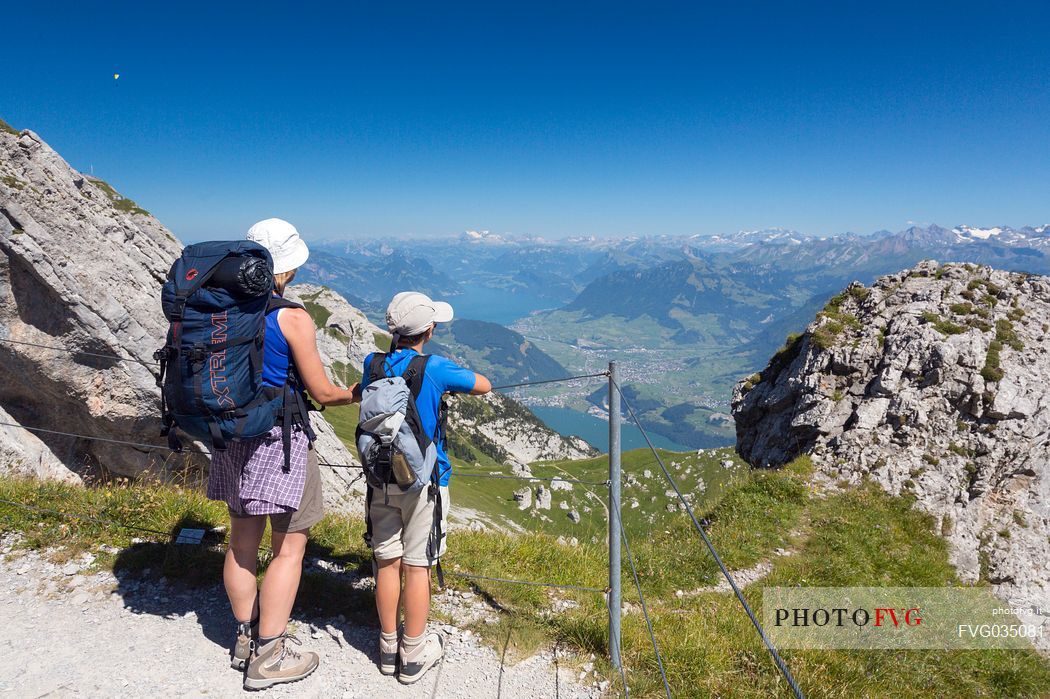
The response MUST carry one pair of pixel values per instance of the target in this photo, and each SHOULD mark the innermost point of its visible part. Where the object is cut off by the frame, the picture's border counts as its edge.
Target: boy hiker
(401, 440)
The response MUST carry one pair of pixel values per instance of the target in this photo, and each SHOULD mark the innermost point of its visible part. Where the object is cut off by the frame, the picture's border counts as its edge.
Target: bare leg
(281, 582)
(388, 593)
(416, 599)
(242, 559)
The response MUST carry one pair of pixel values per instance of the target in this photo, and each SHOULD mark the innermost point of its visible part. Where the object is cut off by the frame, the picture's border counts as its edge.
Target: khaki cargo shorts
(402, 522)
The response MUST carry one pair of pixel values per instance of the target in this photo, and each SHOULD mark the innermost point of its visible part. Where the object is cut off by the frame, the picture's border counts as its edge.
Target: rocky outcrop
(344, 335)
(934, 382)
(506, 430)
(81, 269)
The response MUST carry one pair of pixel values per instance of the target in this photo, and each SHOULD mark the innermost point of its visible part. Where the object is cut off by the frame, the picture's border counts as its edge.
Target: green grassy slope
(861, 536)
(645, 499)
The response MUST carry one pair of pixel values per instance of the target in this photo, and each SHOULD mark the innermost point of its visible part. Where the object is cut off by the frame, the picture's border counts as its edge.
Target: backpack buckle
(384, 454)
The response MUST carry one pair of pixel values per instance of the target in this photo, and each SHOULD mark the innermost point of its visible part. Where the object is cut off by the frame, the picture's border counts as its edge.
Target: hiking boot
(276, 663)
(417, 659)
(388, 653)
(242, 649)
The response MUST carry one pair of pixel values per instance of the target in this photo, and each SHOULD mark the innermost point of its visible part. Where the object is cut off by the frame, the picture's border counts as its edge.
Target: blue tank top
(275, 353)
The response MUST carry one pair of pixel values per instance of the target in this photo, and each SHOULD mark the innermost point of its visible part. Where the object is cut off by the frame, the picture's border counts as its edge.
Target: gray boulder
(523, 496)
(543, 498)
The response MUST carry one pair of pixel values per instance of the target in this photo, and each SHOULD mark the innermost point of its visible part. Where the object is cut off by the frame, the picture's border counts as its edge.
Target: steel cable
(781, 665)
(114, 357)
(144, 445)
(545, 381)
(158, 446)
(645, 611)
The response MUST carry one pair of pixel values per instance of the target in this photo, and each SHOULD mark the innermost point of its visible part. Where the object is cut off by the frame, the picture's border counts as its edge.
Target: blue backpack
(216, 299)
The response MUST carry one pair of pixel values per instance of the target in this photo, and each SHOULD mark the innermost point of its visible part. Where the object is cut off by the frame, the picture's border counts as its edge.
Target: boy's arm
(452, 378)
(481, 385)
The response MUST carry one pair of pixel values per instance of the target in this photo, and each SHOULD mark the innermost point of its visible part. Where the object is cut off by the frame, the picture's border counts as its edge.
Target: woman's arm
(298, 329)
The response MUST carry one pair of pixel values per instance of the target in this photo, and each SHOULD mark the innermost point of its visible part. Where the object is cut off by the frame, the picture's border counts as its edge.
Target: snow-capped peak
(971, 232)
(483, 237)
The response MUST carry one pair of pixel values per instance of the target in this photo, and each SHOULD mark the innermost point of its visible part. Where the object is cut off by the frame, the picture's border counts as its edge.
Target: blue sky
(355, 119)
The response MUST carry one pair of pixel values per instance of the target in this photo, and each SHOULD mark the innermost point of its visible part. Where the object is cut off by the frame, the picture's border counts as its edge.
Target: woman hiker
(250, 477)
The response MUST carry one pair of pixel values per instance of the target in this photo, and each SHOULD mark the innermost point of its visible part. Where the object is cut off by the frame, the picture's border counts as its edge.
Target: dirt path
(71, 633)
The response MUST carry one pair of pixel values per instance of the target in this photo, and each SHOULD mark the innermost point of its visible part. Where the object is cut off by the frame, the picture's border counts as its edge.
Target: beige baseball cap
(411, 313)
(282, 240)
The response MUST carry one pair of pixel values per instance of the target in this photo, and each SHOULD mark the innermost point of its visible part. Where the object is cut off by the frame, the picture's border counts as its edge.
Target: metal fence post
(615, 602)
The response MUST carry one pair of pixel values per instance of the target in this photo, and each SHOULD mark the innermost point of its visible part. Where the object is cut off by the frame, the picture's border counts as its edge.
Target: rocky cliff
(935, 383)
(80, 276)
(81, 269)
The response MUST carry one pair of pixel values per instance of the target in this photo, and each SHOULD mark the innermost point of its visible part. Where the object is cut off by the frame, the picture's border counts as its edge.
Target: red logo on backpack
(191, 274)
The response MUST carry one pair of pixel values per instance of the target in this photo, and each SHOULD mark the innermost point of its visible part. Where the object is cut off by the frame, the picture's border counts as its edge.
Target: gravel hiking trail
(73, 631)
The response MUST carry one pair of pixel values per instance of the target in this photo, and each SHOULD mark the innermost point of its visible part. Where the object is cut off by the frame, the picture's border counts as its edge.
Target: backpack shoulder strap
(277, 302)
(375, 368)
(414, 374)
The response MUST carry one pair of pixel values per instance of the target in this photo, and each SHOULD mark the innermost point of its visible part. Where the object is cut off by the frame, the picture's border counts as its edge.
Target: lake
(596, 431)
(497, 305)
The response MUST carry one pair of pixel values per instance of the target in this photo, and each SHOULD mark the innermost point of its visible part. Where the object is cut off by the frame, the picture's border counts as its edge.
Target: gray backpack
(391, 441)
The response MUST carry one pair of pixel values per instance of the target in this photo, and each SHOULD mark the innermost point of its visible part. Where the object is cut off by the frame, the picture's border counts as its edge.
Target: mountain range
(685, 315)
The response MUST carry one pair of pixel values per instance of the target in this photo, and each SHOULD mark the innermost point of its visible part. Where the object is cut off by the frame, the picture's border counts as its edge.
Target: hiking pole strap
(286, 428)
(368, 516)
(436, 534)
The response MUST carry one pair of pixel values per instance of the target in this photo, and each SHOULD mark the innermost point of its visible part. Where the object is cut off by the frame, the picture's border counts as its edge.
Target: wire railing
(645, 611)
(781, 665)
(566, 379)
(82, 353)
(779, 662)
(203, 452)
(144, 362)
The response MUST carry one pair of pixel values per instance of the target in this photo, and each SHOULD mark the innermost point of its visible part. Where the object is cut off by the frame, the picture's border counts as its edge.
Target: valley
(686, 317)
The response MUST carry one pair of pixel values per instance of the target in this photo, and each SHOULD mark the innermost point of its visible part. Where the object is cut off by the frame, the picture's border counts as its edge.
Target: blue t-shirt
(442, 376)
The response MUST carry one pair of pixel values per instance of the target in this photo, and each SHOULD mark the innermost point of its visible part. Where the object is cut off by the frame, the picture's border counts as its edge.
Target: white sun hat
(411, 313)
(282, 240)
